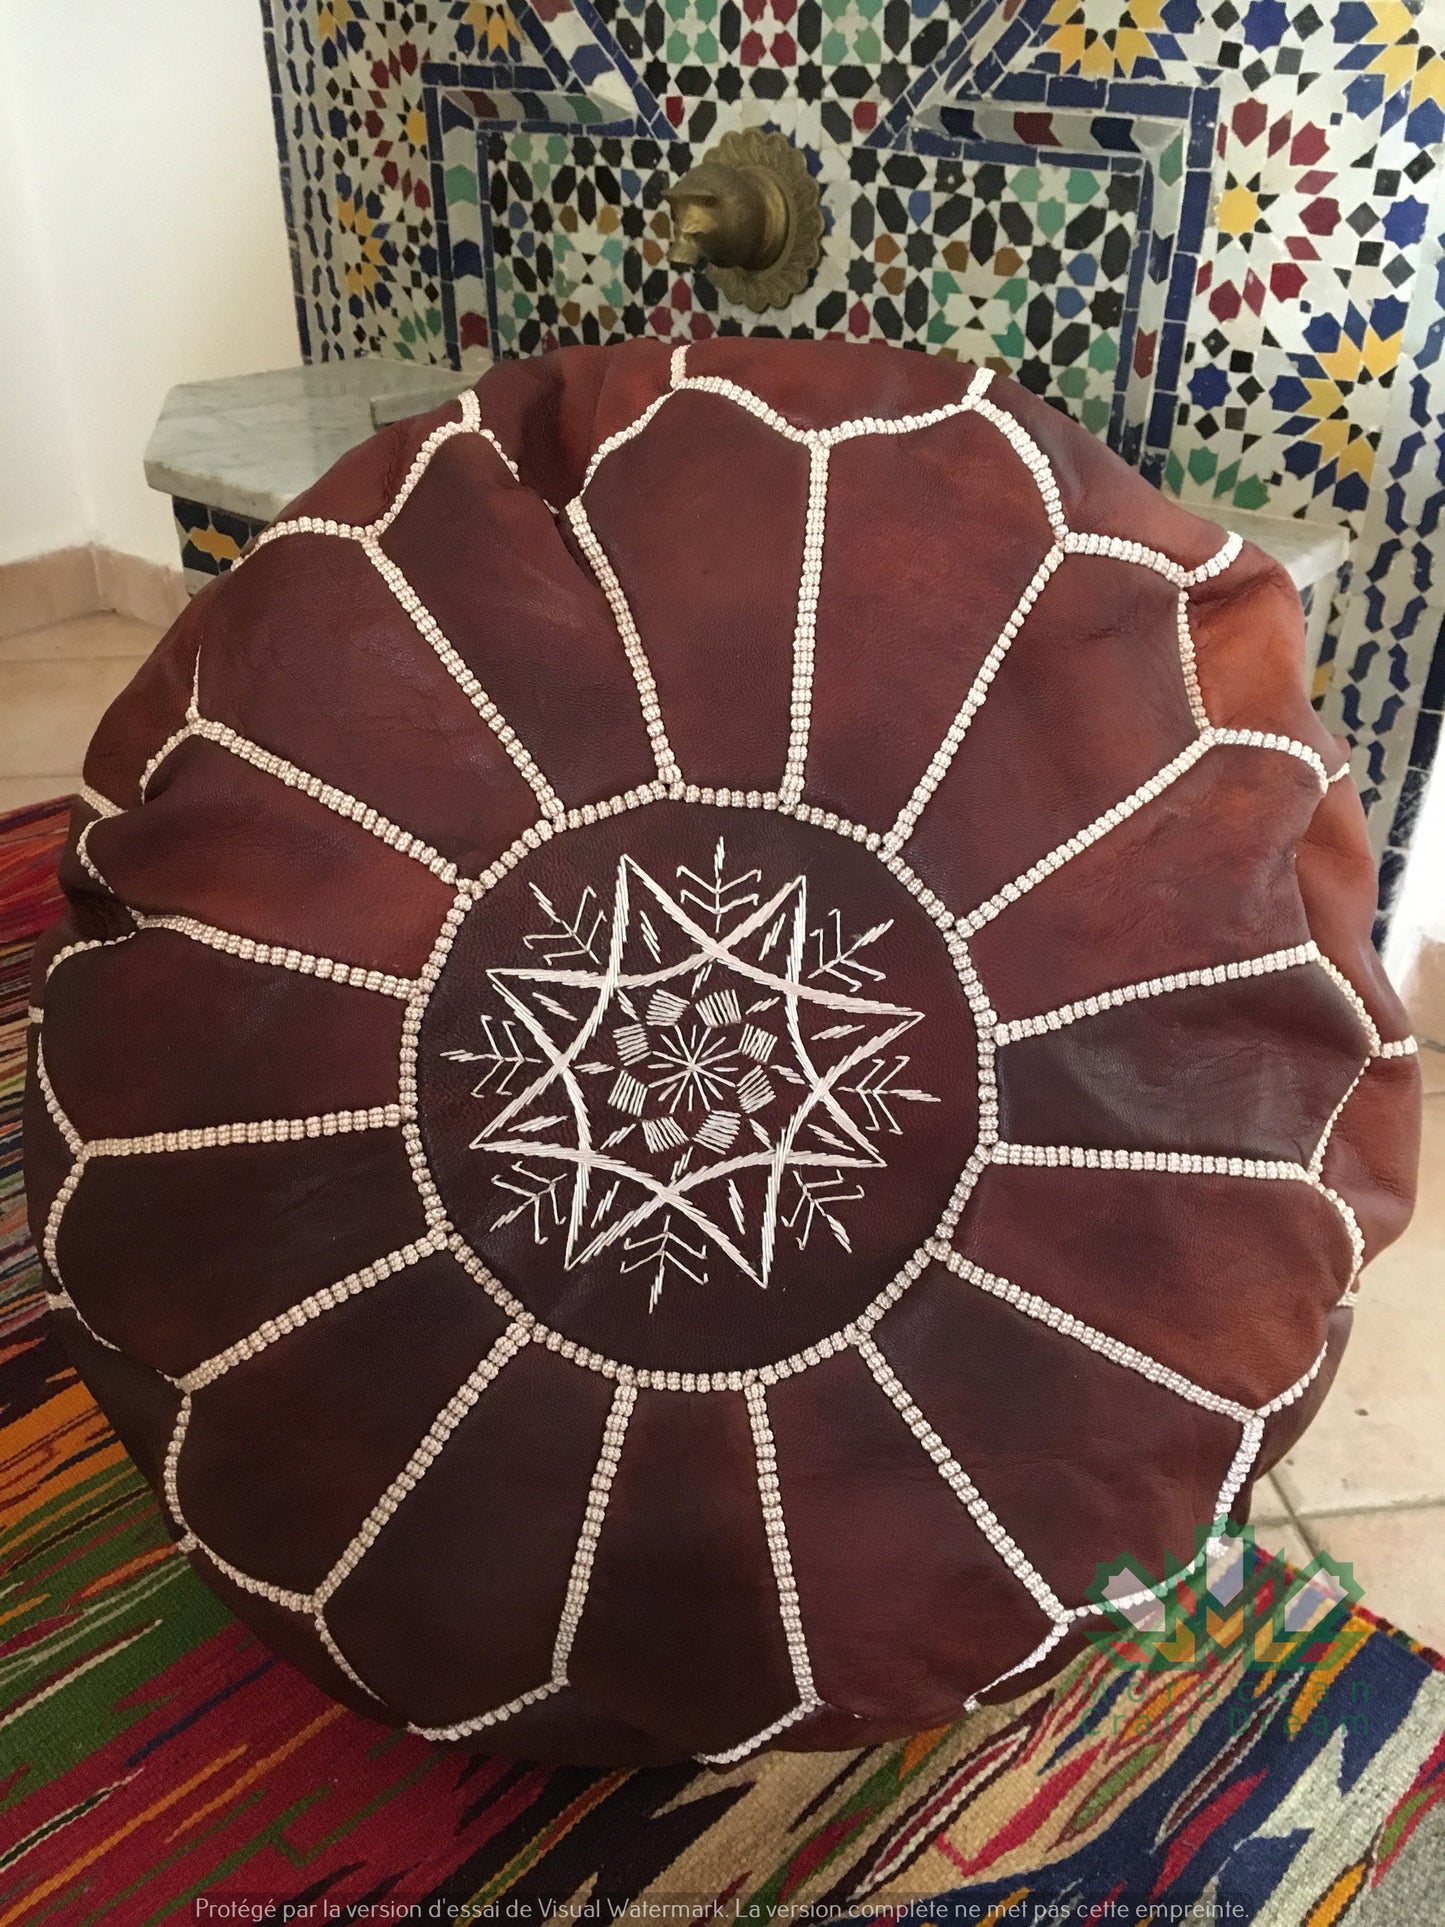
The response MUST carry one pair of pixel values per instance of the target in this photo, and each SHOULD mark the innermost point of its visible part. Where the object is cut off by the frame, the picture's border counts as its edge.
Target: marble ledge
(251, 443)
(1310, 551)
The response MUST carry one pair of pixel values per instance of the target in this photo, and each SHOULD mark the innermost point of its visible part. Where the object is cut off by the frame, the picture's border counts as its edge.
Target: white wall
(1415, 953)
(142, 243)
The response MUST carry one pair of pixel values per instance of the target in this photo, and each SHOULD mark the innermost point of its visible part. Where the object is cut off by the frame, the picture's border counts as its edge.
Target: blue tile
(1434, 693)
(1159, 101)
(1076, 90)
(1426, 740)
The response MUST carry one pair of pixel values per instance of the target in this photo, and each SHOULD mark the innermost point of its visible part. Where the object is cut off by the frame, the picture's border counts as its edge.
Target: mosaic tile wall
(1210, 229)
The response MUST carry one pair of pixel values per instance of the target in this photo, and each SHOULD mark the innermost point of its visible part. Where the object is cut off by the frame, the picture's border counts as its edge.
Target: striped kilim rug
(156, 1763)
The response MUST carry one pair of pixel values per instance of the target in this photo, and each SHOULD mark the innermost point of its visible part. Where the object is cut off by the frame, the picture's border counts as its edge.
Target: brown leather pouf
(716, 1028)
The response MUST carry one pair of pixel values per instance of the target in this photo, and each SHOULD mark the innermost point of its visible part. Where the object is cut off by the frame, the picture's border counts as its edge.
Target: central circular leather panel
(695, 1083)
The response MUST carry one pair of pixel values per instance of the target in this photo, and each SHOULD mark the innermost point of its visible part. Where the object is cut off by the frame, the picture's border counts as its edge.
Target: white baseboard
(86, 580)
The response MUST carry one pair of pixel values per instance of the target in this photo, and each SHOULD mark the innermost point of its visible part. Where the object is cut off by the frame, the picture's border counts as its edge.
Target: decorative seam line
(488, 437)
(469, 422)
(51, 1234)
(333, 799)
(1250, 1441)
(86, 943)
(1356, 1002)
(775, 1528)
(1065, 1014)
(1046, 1645)
(1189, 665)
(1034, 460)
(618, 440)
(1317, 1162)
(426, 1454)
(958, 1481)
(311, 1307)
(93, 800)
(1074, 846)
(607, 581)
(62, 1301)
(978, 691)
(305, 963)
(1270, 739)
(1352, 1229)
(1114, 1349)
(172, 742)
(755, 1740)
(493, 1718)
(74, 1142)
(270, 1130)
(1079, 1157)
(805, 631)
(83, 856)
(430, 630)
(1077, 542)
(614, 1432)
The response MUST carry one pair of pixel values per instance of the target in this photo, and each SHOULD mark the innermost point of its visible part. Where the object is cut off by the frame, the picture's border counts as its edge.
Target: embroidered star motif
(696, 1083)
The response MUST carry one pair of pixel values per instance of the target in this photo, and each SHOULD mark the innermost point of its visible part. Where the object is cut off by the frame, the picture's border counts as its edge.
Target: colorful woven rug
(157, 1764)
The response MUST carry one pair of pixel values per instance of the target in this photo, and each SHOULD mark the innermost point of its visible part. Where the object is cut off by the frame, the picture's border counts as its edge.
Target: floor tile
(1269, 1503)
(1379, 1439)
(49, 710)
(1281, 1537)
(1399, 1559)
(82, 638)
(18, 791)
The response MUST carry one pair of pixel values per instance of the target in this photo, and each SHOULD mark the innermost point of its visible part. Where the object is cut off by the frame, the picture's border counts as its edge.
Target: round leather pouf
(715, 1033)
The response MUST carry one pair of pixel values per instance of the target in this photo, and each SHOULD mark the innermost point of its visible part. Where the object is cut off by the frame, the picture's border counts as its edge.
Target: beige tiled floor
(55, 684)
(1367, 1481)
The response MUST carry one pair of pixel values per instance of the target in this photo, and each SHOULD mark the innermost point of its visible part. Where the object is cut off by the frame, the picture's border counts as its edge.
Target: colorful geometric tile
(1210, 228)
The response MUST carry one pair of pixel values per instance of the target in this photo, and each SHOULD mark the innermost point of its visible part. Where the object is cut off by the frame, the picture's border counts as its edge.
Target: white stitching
(958, 1481)
(1189, 665)
(805, 630)
(336, 800)
(614, 1435)
(424, 1456)
(268, 1130)
(313, 1306)
(1356, 1002)
(93, 800)
(74, 1142)
(430, 630)
(1270, 739)
(607, 581)
(1073, 846)
(305, 963)
(977, 693)
(775, 1528)
(1081, 1157)
(469, 422)
(1114, 1349)
(1065, 1014)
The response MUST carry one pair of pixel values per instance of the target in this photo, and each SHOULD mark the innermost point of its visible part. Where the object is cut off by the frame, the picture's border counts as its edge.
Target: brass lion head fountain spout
(752, 215)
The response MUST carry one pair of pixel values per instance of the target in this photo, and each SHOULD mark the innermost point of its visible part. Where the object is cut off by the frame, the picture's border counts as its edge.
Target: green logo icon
(1230, 1601)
